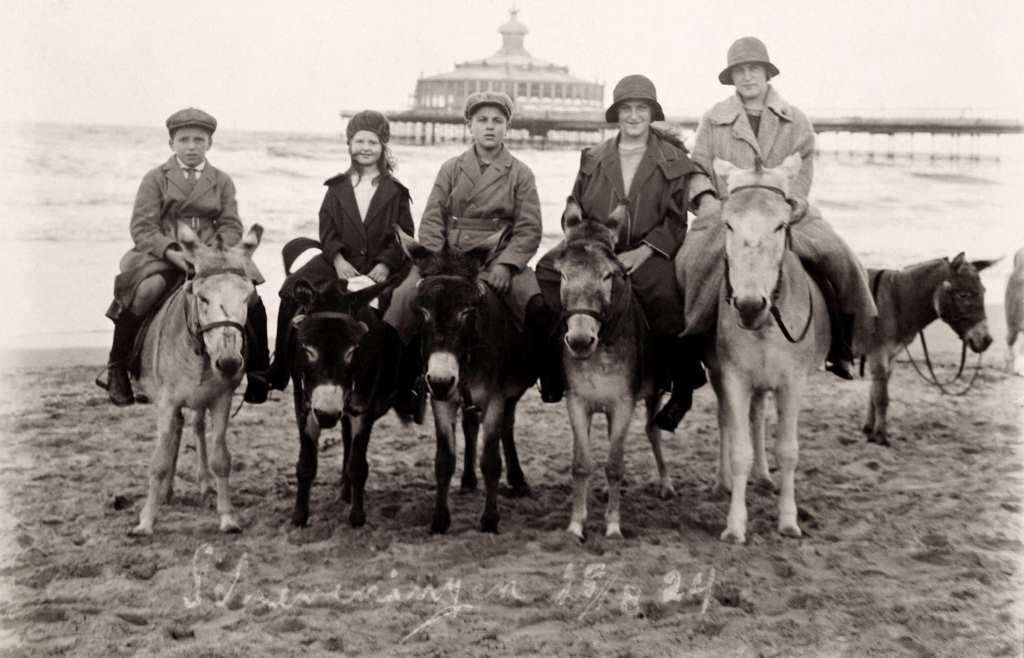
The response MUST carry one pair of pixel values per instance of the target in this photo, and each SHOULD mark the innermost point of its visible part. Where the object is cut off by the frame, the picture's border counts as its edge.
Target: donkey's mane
(452, 262)
(590, 230)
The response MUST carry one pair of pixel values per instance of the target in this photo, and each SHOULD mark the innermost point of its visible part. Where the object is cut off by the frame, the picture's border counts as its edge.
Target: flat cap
(191, 117)
(496, 99)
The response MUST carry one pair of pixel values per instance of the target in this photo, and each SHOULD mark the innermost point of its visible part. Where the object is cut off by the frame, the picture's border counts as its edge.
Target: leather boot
(541, 329)
(687, 376)
(280, 371)
(119, 385)
(411, 388)
(258, 357)
(840, 353)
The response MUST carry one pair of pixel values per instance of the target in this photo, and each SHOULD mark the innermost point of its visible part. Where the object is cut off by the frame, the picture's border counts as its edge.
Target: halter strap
(758, 186)
(212, 271)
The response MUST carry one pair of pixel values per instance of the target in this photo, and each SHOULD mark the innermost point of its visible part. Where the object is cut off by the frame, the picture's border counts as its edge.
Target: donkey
(327, 340)
(1014, 306)
(908, 301)
(765, 293)
(192, 357)
(477, 361)
(608, 365)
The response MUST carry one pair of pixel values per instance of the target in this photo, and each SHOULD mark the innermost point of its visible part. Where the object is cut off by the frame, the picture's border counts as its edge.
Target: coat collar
(174, 173)
(659, 155)
(469, 164)
(387, 187)
(730, 112)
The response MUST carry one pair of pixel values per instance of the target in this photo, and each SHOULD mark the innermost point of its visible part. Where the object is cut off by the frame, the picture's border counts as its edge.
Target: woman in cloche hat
(186, 188)
(755, 121)
(649, 170)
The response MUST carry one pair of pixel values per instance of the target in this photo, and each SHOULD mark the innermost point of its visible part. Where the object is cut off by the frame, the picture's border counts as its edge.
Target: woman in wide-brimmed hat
(649, 170)
(756, 122)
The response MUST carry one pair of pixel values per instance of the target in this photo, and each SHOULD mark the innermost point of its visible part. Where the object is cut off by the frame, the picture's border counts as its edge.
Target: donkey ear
(304, 294)
(617, 217)
(724, 169)
(982, 264)
(188, 241)
(790, 167)
(957, 261)
(252, 240)
(416, 252)
(572, 215)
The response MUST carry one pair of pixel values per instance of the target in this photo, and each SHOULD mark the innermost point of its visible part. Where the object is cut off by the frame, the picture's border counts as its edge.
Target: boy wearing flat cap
(483, 191)
(186, 188)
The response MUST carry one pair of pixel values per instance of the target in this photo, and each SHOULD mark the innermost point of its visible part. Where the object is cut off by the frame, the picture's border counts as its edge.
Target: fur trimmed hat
(372, 121)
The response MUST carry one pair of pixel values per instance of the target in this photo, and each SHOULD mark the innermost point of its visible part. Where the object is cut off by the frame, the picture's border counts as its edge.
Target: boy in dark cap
(186, 189)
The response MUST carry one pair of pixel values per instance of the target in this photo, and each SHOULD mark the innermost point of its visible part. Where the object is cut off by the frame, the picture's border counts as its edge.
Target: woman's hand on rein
(379, 273)
(631, 260)
(344, 268)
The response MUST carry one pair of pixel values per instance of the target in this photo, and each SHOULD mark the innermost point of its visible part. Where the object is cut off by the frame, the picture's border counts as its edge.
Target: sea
(67, 193)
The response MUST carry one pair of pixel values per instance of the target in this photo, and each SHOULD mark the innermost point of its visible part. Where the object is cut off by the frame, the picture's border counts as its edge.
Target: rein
(776, 291)
(934, 381)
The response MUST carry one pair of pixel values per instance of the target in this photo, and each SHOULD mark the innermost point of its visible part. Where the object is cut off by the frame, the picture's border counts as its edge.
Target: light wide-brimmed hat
(634, 88)
(746, 50)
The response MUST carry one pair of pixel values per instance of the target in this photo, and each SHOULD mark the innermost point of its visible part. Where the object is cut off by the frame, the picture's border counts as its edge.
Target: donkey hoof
(613, 531)
(576, 530)
(666, 491)
(516, 490)
(357, 518)
(734, 536)
(489, 523)
(790, 530)
(229, 526)
(468, 485)
(439, 525)
(300, 518)
(868, 431)
(141, 530)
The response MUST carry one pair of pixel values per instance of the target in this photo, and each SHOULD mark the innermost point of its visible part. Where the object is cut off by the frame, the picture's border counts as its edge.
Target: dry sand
(909, 550)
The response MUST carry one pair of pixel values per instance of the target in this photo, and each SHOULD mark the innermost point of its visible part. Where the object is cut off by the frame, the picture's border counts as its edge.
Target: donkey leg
(204, 478)
(220, 462)
(359, 468)
(880, 374)
(723, 478)
(169, 424)
(346, 456)
(490, 462)
(758, 412)
(654, 435)
(470, 431)
(305, 468)
(582, 466)
(737, 398)
(618, 428)
(513, 471)
(444, 463)
(787, 400)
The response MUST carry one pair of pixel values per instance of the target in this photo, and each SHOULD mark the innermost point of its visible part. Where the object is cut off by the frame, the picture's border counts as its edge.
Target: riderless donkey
(1014, 306)
(908, 301)
(608, 364)
(192, 356)
(477, 360)
(773, 329)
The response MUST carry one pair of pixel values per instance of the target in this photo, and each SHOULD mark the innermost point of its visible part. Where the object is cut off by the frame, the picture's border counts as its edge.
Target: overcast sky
(293, 65)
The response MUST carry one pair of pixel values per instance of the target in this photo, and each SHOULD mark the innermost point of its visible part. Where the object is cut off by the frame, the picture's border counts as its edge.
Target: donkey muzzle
(442, 375)
(229, 365)
(978, 338)
(753, 311)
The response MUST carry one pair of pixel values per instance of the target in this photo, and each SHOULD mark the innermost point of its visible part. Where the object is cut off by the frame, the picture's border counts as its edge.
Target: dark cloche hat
(634, 88)
(191, 117)
(371, 120)
(496, 99)
(746, 50)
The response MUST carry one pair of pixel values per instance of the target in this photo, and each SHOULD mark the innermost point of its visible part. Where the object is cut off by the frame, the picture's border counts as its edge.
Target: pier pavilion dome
(540, 89)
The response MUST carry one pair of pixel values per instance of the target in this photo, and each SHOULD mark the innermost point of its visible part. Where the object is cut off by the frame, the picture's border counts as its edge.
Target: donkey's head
(960, 302)
(450, 302)
(326, 338)
(756, 212)
(220, 292)
(593, 280)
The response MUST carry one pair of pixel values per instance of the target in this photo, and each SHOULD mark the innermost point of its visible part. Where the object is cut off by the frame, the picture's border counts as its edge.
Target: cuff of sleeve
(511, 261)
(166, 244)
(655, 248)
(698, 186)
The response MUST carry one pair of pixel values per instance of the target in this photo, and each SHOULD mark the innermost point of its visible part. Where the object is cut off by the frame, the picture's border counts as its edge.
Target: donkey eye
(608, 276)
(425, 313)
(466, 315)
(311, 353)
(780, 227)
(202, 300)
(728, 226)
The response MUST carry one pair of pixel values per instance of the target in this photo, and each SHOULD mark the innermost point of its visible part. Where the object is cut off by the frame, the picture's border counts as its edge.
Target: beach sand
(909, 550)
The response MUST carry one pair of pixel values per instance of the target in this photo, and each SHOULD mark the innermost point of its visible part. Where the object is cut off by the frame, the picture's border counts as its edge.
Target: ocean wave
(953, 177)
(280, 151)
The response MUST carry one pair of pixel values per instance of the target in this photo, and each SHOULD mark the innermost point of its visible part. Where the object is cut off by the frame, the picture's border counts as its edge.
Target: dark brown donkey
(908, 301)
(608, 364)
(328, 349)
(477, 361)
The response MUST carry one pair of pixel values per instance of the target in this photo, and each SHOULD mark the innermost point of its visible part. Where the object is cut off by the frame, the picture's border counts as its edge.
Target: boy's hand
(498, 276)
(379, 272)
(344, 268)
(634, 258)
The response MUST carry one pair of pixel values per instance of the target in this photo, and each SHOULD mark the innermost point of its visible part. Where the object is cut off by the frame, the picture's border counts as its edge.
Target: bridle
(776, 291)
(608, 321)
(193, 326)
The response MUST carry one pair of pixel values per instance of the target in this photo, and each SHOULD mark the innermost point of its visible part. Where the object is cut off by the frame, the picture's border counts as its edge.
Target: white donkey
(773, 329)
(1014, 301)
(192, 356)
